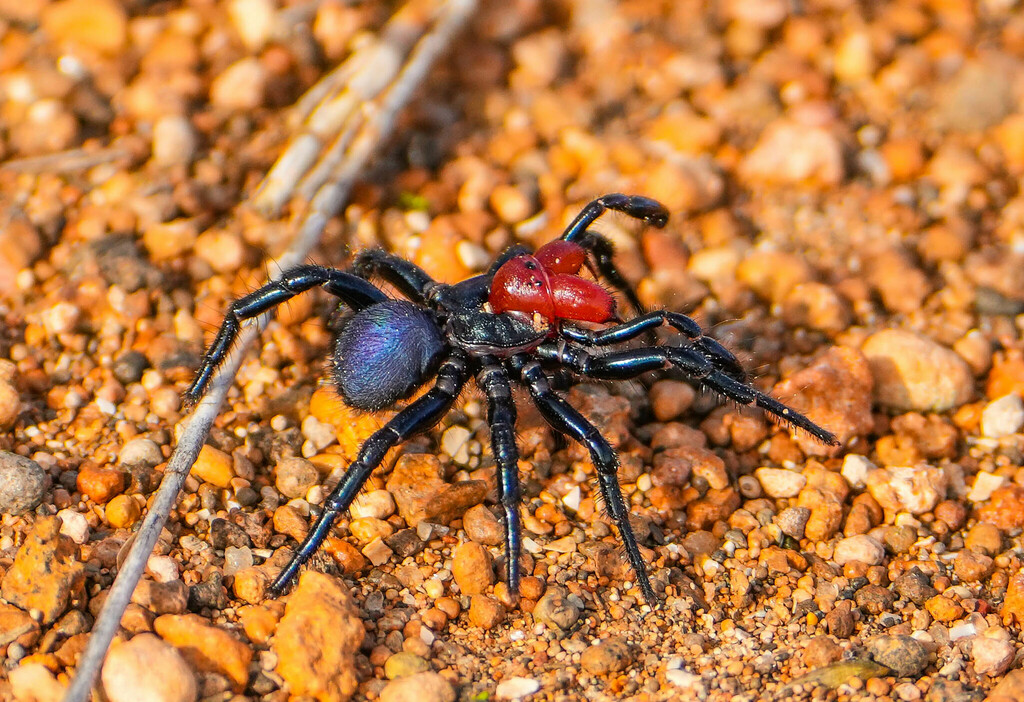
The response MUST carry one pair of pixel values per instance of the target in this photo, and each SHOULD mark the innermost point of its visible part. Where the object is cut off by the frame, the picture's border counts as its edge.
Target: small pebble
(793, 520)
(905, 656)
(214, 466)
(485, 611)
(140, 451)
(403, 663)
(608, 656)
(46, 571)
(10, 405)
(208, 648)
(992, 656)
(779, 482)
(123, 511)
(74, 525)
(427, 686)
(318, 638)
(23, 484)
(482, 526)
(861, 548)
(240, 86)
(295, 476)
(471, 567)
(147, 668)
(375, 503)
(914, 373)
(984, 485)
(377, 552)
(1002, 417)
(174, 141)
(556, 610)
(516, 688)
(100, 484)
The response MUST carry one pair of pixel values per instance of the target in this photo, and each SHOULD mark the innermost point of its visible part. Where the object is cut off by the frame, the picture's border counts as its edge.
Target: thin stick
(328, 202)
(65, 161)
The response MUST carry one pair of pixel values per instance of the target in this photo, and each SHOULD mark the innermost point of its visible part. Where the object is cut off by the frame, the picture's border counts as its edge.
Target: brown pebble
(471, 567)
(100, 484)
(422, 495)
(250, 584)
(984, 538)
(317, 639)
(123, 511)
(485, 611)
(482, 526)
(611, 655)
(214, 466)
(944, 609)
(821, 651)
(670, 399)
(972, 567)
(208, 648)
(46, 574)
(1005, 508)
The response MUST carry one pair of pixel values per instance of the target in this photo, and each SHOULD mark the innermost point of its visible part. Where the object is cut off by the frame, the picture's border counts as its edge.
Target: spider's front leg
(418, 417)
(501, 416)
(636, 206)
(630, 363)
(566, 419)
(352, 290)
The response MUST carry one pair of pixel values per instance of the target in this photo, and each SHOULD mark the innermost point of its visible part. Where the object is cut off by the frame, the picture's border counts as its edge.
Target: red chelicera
(548, 283)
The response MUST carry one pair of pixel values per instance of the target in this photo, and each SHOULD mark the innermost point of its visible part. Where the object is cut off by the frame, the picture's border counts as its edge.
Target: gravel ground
(846, 218)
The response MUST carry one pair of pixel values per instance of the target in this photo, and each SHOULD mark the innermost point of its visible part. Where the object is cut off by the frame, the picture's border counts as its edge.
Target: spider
(515, 324)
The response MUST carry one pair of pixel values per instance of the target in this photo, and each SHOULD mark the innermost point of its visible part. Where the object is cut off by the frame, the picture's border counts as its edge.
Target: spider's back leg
(355, 292)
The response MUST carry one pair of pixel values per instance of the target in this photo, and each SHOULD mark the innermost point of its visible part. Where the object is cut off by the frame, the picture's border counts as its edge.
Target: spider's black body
(449, 333)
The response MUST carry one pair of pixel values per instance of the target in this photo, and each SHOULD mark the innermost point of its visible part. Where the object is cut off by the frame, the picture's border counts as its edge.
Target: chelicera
(515, 324)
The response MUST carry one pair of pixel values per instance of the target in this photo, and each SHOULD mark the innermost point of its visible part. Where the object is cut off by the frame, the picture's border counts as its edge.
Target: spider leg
(421, 415)
(353, 291)
(566, 419)
(638, 207)
(720, 356)
(410, 279)
(630, 363)
(501, 416)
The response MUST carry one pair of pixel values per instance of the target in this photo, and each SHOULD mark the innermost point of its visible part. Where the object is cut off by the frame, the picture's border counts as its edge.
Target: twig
(327, 203)
(65, 161)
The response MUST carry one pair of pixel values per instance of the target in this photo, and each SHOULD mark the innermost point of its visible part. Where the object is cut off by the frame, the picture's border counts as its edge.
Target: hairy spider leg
(354, 291)
(501, 416)
(418, 417)
(411, 280)
(630, 363)
(635, 206)
(566, 419)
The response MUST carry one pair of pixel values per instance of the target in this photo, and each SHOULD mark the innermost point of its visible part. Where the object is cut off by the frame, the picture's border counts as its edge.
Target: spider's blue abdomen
(385, 352)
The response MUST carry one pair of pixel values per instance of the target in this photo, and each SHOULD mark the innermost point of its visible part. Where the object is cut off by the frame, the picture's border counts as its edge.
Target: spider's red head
(547, 283)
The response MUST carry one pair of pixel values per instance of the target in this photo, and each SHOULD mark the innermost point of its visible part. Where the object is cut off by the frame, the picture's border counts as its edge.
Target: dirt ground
(843, 182)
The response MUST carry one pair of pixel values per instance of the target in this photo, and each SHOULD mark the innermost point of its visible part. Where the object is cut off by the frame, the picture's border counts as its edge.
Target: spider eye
(531, 265)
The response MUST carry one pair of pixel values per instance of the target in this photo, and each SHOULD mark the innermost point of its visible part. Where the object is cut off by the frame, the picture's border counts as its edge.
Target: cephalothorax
(514, 324)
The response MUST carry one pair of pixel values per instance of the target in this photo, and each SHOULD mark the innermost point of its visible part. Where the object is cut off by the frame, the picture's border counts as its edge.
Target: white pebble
(516, 688)
(455, 442)
(164, 569)
(861, 547)
(378, 504)
(1002, 417)
(74, 525)
(991, 656)
(254, 21)
(856, 469)
(174, 141)
(682, 678)
(779, 482)
(319, 434)
(236, 559)
(984, 485)
(572, 498)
